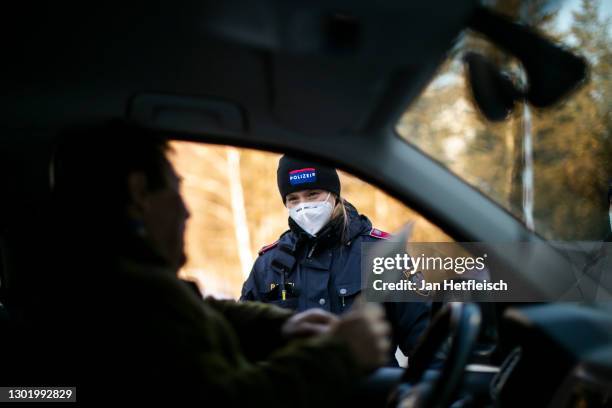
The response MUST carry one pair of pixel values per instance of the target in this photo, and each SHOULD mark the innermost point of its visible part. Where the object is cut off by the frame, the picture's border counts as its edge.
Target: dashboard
(556, 355)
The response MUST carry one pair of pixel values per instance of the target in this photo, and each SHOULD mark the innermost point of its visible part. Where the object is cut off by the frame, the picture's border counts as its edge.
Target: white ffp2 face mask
(312, 216)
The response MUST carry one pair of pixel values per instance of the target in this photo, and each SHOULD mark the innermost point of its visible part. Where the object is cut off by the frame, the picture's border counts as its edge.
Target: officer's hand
(309, 323)
(366, 332)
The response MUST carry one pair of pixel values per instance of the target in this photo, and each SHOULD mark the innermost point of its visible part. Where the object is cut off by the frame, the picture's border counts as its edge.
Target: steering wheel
(458, 323)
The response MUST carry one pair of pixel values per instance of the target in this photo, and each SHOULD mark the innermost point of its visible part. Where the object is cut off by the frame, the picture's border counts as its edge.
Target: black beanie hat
(297, 175)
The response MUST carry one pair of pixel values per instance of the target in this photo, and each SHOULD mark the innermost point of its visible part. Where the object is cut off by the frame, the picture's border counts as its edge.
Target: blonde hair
(340, 211)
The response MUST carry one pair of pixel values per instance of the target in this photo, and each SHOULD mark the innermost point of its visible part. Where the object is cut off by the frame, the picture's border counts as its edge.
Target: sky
(565, 14)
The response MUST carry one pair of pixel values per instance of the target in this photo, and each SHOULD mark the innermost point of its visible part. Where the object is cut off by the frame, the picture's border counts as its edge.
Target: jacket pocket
(274, 297)
(289, 303)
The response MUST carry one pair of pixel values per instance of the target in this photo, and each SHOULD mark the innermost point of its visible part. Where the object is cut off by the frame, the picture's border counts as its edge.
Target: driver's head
(115, 185)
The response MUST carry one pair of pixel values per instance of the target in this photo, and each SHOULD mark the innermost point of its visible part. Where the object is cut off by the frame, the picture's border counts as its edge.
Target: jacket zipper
(311, 250)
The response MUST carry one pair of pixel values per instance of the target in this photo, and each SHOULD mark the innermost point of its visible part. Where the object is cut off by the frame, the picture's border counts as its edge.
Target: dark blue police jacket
(325, 272)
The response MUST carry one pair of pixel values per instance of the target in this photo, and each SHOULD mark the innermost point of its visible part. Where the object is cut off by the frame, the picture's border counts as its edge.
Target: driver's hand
(366, 332)
(312, 322)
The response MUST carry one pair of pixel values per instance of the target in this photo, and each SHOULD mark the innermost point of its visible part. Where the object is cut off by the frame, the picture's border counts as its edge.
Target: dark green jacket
(164, 342)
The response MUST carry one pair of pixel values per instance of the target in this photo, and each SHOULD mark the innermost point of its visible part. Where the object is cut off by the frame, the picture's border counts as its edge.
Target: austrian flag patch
(301, 176)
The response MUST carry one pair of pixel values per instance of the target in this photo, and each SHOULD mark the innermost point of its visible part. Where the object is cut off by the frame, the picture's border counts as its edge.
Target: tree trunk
(241, 227)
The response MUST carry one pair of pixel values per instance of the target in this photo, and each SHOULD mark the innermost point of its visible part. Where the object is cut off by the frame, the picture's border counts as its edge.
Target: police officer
(317, 262)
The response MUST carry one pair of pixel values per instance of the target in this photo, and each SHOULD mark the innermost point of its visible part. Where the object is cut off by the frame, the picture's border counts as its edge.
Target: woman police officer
(317, 262)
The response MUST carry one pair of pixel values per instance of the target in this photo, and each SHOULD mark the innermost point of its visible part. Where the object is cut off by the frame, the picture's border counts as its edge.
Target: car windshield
(550, 168)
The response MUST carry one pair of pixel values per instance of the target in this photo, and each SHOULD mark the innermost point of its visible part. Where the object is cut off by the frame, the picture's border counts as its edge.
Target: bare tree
(241, 226)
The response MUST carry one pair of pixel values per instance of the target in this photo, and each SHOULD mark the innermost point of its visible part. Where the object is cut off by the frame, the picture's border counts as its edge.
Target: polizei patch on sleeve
(301, 176)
